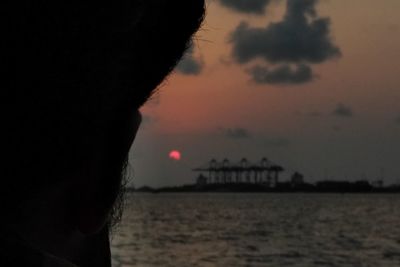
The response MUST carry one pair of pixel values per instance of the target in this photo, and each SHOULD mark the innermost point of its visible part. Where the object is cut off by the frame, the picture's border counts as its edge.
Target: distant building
(201, 180)
(344, 186)
(264, 172)
(297, 179)
(378, 184)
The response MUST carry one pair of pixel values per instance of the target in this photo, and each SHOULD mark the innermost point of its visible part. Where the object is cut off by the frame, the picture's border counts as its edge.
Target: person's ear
(103, 186)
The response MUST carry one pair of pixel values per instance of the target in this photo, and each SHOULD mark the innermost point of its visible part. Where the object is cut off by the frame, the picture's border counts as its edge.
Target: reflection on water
(259, 230)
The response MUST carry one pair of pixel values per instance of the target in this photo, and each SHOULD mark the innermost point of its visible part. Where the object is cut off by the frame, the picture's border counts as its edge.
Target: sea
(277, 230)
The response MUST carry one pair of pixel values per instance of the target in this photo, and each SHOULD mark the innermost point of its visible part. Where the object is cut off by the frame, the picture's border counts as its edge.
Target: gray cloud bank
(189, 65)
(284, 74)
(300, 38)
(246, 6)
(261, 140)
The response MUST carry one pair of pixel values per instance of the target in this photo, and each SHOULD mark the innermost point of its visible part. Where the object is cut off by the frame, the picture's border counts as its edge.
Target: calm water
(259, 230)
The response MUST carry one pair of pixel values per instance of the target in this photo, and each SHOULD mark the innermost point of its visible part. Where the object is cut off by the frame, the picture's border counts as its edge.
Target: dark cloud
(236, 133)
(301, 37)
(261, 140)
(284, 74)
(343, 111)
(189, 65)
(247, 6)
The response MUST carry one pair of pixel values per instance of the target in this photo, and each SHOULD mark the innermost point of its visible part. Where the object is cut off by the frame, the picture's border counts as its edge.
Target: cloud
(300, 37)
(284, 74)
(236, 133)
(246, 6)
(343, 111)
(189, 65)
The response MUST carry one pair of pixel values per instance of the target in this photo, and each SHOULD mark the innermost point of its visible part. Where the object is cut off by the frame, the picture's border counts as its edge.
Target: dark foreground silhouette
(263, 176)
(281, 187)
(74, 75)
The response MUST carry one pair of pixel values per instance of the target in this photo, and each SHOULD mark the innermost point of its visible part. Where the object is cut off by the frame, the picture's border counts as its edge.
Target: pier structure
(224, 172)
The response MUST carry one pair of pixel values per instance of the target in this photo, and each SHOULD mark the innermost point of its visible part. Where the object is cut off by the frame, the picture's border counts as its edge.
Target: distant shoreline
(286, 187)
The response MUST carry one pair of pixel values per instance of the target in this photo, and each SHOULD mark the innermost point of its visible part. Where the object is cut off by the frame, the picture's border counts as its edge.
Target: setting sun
(175, 155)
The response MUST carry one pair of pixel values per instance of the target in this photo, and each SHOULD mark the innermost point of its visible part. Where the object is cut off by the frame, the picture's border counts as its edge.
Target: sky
(312, 85)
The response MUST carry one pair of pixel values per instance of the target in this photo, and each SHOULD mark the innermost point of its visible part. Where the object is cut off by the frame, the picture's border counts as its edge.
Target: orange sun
(175, 155)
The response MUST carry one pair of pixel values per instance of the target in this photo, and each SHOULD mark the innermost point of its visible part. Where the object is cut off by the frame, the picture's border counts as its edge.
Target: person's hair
(71, 68)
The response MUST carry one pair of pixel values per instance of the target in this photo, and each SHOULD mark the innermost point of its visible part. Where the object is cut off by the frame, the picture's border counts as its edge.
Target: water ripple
(259, 230)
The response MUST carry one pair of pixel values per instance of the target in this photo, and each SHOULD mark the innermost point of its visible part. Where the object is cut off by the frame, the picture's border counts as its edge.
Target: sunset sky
(311, 85)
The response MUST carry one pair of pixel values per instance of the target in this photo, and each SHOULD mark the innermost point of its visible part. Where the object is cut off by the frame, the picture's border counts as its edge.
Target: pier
(263, 172)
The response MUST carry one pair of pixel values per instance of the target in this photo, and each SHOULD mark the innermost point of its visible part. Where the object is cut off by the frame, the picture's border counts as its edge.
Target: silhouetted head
(74, 74)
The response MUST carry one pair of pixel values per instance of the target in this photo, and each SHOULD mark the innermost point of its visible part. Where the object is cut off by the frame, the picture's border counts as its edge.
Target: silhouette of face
(75, 75)
(164, 30)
